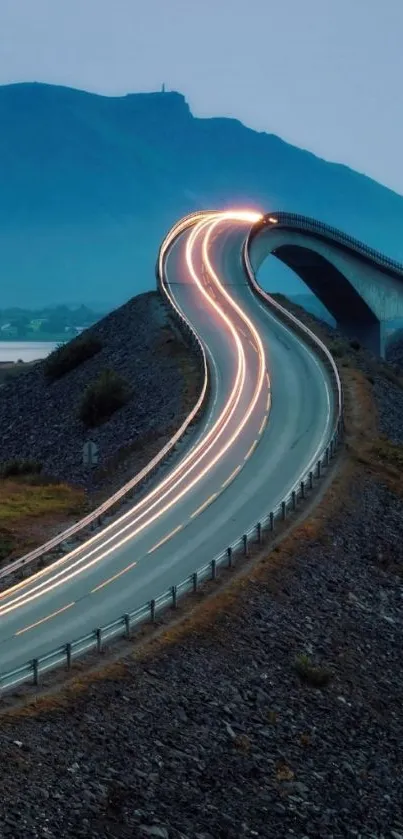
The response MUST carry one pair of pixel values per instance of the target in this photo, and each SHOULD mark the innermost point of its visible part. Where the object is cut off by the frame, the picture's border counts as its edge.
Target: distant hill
(89, 185)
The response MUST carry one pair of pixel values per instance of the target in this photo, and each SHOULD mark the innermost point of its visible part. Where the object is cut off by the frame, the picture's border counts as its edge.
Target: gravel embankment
(38, 420)
(217, 736)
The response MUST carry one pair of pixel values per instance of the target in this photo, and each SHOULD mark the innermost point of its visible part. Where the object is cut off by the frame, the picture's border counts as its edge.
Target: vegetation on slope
(71, 355)
(29, 507)
(103, 397)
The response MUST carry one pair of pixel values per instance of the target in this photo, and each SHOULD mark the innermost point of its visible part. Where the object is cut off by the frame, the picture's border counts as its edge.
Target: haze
(324, 75)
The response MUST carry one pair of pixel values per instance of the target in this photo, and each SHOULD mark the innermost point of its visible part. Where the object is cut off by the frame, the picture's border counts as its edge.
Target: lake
(25, 350)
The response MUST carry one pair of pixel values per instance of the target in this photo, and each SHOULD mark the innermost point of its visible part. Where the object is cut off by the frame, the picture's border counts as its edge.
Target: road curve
(270, 413)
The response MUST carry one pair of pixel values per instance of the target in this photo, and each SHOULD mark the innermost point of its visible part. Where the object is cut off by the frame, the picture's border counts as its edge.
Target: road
(270, 413)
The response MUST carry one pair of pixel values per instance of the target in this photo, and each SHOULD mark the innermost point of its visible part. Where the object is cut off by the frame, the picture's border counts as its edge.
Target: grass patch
(19, 500)
(103, 397)
(71, 355)
(311, 674)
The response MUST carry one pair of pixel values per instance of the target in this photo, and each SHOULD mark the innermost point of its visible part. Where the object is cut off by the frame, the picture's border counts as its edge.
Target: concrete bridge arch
(361, 288)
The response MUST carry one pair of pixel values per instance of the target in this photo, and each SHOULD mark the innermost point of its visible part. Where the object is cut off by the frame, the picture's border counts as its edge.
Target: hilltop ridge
(90, 184)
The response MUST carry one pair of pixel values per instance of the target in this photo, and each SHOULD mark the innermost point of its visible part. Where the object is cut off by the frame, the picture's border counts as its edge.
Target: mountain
(89, 185)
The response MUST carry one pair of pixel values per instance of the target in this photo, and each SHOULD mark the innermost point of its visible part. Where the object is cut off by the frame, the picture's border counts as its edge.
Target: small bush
(355, 345)
(103, 397)
(337, 348)
(71, 355)
(310, 673)
(16, 468)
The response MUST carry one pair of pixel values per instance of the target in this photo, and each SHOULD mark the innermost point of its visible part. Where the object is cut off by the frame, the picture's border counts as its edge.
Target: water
(25, 350)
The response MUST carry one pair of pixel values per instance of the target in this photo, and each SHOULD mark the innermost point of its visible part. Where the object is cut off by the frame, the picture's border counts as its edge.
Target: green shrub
(103, 397)
(310, 673)
(68, 356)
(337, 348)
(355, 345)
(16, 468)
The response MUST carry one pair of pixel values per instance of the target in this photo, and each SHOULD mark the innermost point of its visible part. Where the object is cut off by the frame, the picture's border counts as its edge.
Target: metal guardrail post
(126, 618)
(302, 489)
(259, 533)
(174, 592)
(68, 655)
(213, 569)
(271, 519)
(35, 671)
(98, 634)
(294, 499)
(245, 544)
(229, 554)
(283, 510)
(152, 610)
(327, 457)
(318, 469)
(311, 480)
(195, 580)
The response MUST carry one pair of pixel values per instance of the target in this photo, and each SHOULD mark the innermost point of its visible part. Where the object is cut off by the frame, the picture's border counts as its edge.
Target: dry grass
(29, 512)
(20, 500)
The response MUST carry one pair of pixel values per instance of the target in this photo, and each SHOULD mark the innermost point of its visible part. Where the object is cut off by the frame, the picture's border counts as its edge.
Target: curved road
(270, 413)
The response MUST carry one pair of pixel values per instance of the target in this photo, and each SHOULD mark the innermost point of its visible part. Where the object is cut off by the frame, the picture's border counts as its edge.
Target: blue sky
(324, 74)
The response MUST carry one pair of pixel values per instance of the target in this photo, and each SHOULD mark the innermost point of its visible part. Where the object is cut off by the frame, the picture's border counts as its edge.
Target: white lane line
(204, 505)
(251, 450)
(165, 539)
(114, 577)
(43, 620)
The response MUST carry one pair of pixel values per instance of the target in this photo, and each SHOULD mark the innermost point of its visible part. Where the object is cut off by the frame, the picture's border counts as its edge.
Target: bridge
(360, 287)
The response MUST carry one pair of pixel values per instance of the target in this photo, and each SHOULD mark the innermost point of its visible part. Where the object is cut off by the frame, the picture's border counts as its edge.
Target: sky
(326, 75)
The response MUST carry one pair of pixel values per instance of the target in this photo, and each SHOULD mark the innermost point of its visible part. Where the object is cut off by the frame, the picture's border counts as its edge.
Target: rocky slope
(224, 733)
(39, 420)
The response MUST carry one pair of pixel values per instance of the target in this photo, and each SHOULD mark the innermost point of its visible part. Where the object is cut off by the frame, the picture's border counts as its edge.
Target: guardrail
(293, 221)
(111, 504)
(289, 319)
(125, 624)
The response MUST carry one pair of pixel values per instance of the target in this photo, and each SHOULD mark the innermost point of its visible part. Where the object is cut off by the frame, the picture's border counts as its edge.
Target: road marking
(115, 577)
(263, 423)
(252, 448)
(232, 475)
(268, 400)
(204, 505)
(43, 620)
(165, 539)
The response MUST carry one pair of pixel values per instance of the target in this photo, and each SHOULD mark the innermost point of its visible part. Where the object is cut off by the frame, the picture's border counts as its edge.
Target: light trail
(219, 427)
(82, 564)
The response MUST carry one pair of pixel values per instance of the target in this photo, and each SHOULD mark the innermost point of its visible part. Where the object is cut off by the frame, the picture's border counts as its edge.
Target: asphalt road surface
(270, 412)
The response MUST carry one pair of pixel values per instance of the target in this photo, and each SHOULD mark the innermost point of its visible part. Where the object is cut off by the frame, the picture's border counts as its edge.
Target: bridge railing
(299, 222)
